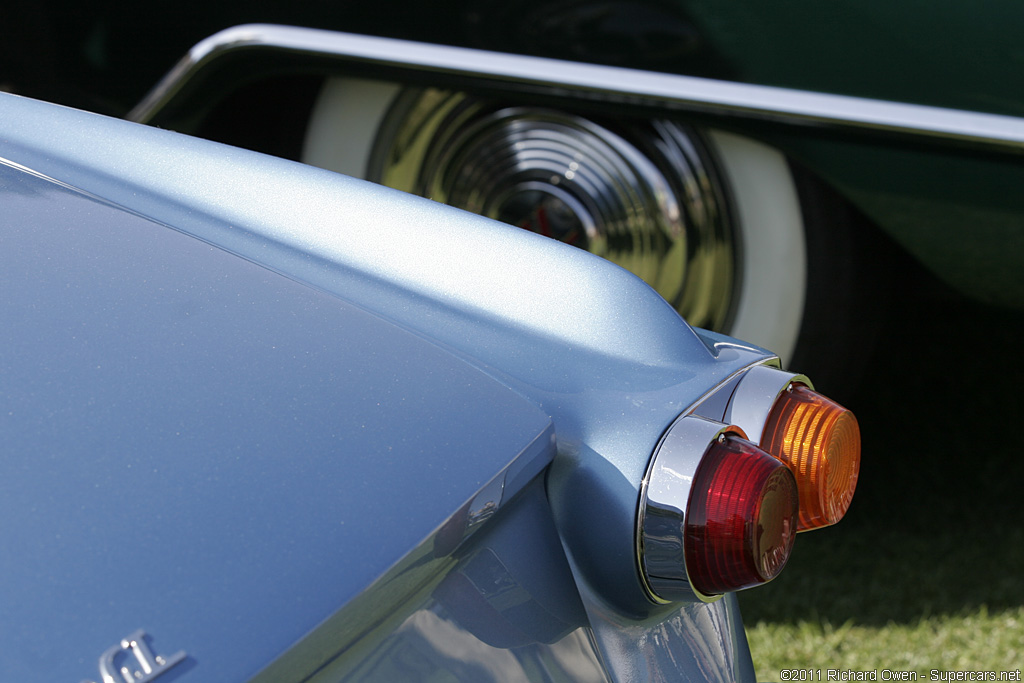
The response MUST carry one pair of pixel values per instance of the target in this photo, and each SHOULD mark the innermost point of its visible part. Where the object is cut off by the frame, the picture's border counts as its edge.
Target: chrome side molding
(405, 60)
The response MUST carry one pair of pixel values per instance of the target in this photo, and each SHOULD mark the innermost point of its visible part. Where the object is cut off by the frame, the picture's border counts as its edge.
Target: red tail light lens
(820, 442)
(741, 518)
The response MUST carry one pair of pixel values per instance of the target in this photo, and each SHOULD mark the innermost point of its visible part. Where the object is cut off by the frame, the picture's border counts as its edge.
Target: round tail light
(741, 518)
(818, 439)
(820, 442)
(718, 514)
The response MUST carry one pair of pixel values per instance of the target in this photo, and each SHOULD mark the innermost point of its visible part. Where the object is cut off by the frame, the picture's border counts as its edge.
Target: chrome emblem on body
(115, 663)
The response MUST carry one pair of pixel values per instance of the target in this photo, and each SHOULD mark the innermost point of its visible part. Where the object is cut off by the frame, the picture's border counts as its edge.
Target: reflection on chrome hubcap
(644, 194)
(549, 211)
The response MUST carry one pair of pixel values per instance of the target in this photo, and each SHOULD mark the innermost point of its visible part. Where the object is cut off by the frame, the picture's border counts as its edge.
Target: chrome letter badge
(117, 660)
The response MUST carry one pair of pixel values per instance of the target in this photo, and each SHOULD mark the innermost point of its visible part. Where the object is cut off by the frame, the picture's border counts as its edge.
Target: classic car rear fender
(537, 340)
(917, 171)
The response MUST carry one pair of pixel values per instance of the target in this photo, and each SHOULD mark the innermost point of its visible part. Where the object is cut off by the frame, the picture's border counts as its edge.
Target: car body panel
(177, 291)
(280, 448)
(956, 211)
(947, 55)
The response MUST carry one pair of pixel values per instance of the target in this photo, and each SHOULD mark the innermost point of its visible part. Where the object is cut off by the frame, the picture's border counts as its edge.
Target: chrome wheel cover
(644, 194)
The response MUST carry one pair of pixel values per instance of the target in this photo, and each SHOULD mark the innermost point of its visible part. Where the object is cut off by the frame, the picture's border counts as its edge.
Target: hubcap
(644, 194)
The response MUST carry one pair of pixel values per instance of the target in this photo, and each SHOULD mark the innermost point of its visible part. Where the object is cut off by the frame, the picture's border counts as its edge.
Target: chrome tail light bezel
(739, 407)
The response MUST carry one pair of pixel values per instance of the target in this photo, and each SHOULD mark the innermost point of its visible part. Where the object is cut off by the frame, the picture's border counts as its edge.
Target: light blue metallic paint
(590, 346)
(198, 446)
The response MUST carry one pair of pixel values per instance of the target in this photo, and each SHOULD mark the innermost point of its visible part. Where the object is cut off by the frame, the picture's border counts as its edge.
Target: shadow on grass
(937, 524)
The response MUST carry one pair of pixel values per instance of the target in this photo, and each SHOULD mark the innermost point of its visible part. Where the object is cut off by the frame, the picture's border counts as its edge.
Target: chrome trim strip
(664, 499)
(755, 396)
(599, 83)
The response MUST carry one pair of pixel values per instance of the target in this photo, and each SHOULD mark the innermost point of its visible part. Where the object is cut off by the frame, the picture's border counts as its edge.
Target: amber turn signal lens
(820, 442)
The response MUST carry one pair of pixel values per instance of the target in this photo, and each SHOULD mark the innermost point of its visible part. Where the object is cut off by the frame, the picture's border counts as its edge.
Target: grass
(927, 570)
(977, 641)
